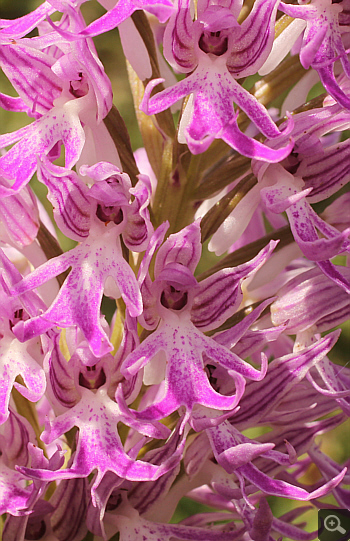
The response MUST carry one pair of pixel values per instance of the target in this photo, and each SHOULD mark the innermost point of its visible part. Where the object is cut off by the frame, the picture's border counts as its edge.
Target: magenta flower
(88, 406)
(184, 310)
(63, 86)
(99, 256)
(214, 48)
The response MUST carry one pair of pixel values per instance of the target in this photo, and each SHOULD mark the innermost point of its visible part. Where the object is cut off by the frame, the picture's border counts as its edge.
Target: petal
(180, 37)
(17, 28)
(326, 173)
(329, 82)
(183, 247)
(99, 446)
(20, 217)
(220, 295)
(124, 9)
(20, 162)
(29, 70)
(306, 299)
(68, 195)
(15, 360)
(250, 50)
(61, 376)
(283, 374)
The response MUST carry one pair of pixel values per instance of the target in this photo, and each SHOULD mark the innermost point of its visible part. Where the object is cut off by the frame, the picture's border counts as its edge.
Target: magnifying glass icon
(332, 524)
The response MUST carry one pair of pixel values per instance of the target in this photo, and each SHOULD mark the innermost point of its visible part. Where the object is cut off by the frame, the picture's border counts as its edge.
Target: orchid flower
(107, 204)
(180, 305)
(214, 48)
(67, 92)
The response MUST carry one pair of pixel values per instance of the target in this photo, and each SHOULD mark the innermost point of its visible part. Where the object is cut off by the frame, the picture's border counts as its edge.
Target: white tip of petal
(282, 45)
(185, 120)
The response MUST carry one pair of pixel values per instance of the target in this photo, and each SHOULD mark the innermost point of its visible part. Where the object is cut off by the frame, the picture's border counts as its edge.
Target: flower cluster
(210, 377)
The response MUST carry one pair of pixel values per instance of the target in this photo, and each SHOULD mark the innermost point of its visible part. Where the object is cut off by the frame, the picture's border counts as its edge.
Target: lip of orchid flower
(16, 360)
(286, 195)
(284, 192)
(144, 493)
(99, 445)
(214, 91)
(260, 481)
(235, 453)
(17, 449)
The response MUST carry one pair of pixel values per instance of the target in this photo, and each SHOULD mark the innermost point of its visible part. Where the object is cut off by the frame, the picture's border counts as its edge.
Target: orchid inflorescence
(210, 378)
